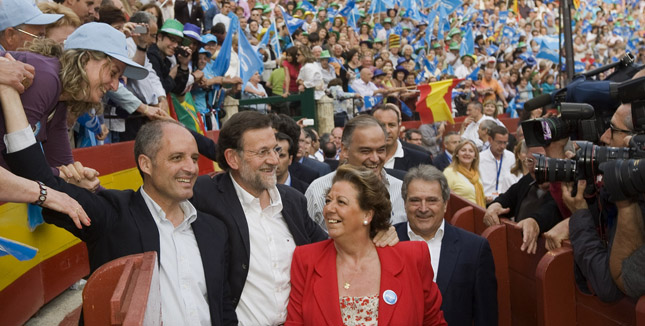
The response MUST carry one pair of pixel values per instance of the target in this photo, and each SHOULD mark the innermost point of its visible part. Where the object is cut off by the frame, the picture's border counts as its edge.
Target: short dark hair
(372, 194)
(148, 140)
(388, 107)
(311, 133)
(497, 130)
(360, 121)
(230, 136)
(142, 17)
(329, 150)
(218, 28)
(111, 15)
(409, 132)
(280, 136)
(285, 124)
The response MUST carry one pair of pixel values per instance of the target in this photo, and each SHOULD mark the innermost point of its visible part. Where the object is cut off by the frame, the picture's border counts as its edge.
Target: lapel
(146, 225)
(391, 267)
(207, 250)
(227, 191)
(449, 255)
(325, 285)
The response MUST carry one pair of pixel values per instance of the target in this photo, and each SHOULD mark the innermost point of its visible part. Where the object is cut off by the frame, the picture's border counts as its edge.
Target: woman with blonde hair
(60, 30)
(463, 173)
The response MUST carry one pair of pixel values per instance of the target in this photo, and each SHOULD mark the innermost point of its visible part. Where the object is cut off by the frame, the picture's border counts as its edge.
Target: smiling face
(466, 154)
(425, 207)
(342, 212)
(256, 162)
(367, 148)
(391, 121)
(171, 173)
(103, 76)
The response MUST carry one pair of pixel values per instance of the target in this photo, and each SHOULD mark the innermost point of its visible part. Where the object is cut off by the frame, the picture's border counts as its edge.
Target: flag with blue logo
(473, 75)
(429, 3)
(508, 33)
(442, 19)
(348, 8)
(420, 77)
(512, 109)
(550, 42)
(428, 65)
(405, 109)
(250, 61)
(579, 67)
(546, 52)
(19, 250)
(492, 49)
(467, 43)
(503, 17)
(307, 6)
(448, 71)
(450, 5)
(292, 23)
(469, 13)
(379, 6)
(266, 38)
(220, 65)
(371, 101)
(430, 29)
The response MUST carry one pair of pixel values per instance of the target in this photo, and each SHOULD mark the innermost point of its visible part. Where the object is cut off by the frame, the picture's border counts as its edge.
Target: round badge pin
(389, 297)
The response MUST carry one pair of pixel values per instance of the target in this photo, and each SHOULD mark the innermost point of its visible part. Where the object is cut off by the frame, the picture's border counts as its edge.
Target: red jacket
(405, 269)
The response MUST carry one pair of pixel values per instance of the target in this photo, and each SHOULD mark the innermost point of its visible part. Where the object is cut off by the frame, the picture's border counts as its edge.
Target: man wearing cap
(20, 22)
(84, 9)
(174, 78)
(384, 33)
(328, 71)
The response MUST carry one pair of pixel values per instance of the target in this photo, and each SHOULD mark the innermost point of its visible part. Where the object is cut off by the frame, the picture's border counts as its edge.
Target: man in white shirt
(462, 261)
(363, 144)
(222, 17)
(495, 164)
(364, 85)
(470, 126)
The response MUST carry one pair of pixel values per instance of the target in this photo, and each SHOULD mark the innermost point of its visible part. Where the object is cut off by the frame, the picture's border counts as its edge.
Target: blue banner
(308, 6)
(19, 250)
(371, 101)
(250, 61)
(348, 8)
(467, 43)
(450, 5)
(292, 23)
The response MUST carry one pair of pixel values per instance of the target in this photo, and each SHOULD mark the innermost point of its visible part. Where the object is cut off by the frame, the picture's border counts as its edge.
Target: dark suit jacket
(196, 16)
(299, 185)
(122, 225)
(319, 167)
(441, 161)
(411, 158)
(547, 216)
(333, 164)
(216, 196)
(405, 269)
(466, 277)
(417, 148)
(399, 174)
(303, 173)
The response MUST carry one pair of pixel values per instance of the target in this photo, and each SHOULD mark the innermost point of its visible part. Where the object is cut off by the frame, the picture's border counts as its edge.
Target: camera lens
(552, 169)
(624, 178)
(543, 131)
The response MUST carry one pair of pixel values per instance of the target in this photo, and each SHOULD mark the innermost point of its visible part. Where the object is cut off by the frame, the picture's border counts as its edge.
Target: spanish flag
(435, 101)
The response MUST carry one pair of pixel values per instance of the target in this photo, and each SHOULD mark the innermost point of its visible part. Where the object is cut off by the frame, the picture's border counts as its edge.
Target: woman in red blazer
(347, 280)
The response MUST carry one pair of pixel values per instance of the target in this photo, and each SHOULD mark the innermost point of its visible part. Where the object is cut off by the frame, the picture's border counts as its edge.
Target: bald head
(366, 75)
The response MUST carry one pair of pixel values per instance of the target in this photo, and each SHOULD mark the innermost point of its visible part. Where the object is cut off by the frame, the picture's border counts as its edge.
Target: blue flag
(492, 49)
(267, 35)
(371, 101)
(467, 43)
(579, 67)
(450, 5)
(250, 61)
(512, 109)
(420, 77)
(508, 33)
(473, 75)
(292, 23)
(379, 6)
(19, 250)
(430, 29)
(429, 3)
(307, 6)
(220, 65)
(547, 53)
(348, 8)
(405, 109)
(442, 19)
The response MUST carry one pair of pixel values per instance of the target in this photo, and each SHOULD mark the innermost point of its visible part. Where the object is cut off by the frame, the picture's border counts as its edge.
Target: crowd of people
(234, 244)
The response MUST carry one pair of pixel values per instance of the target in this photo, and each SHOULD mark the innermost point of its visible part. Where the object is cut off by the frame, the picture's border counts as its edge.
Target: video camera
(586, 105)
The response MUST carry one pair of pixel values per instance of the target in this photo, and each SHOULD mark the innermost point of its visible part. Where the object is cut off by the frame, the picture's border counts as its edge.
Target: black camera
(181, 51)
(626, 178)
(577, 121)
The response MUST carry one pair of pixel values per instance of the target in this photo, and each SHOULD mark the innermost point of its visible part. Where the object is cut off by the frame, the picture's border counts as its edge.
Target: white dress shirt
(488, 172)
(182, 281)
(220, 18)
(434, 246)
(471, 131)
(266, 290)
(317, 190)
(398, 153)
(363, 88)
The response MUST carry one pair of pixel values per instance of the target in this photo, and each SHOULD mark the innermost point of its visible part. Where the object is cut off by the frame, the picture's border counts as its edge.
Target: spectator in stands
(84, 9)
(432, 136)
(222, 17)
(254, 89)
(495, 164)
(450, 142)
(364, 85)
(284, 160)
(490, 110)
(363, 144)
(463, 173)
(397, 156)
(490, 88)
(59, 30)
(356, 208)
(344, 102)
(470, 126)
(190, 11)
(128, 222)
(462, 262)
(310, 74)
(413, 136)
(22, 23)
(174, 77)
(304, 148)
(484, 129)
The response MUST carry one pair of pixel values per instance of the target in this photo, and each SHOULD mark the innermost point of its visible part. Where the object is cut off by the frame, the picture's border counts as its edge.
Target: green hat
(366, 23)
(454, 31)
(454, 46)
(267, 9)
(258, 6)
(305, 33)
(387, 20)
(322, 8)
(521, 45)
(357, 1)
(361, 13)
(333, 4)
(436, 45)
(469, 55)
(173, 27)
(335, 33)
(378, 40)
(406, 27)
(630, 18)
(325, 55)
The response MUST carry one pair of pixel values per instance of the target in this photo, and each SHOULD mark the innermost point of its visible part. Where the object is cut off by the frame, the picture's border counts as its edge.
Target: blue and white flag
(348, 8)
(379, 6)
(220, 65)
(473, 75)
(420, 77)
(508, 33)
(250, 61)
(405, 109)
(19, 250)
(492, 49)
(579, 67)
(371, 101)
(450, 5)
(547, 53)
(292, 23)
(429, 3)
(467, 43)
(430, 29)
(512, 109)
(442, 19)
(550, 42)
(503, 17)
(307, 6)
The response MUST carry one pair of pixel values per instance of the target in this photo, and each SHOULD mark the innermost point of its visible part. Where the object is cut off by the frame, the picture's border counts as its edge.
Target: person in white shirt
(462, 262)
(364, 85)
(495, 164)
(470, 126)
(222, 17)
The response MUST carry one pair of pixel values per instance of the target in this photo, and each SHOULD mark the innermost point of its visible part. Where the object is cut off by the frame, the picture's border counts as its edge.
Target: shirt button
(244, 266)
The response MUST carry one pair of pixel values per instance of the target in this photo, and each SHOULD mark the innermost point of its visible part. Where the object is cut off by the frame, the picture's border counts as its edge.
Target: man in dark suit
(156, 217)
(329, 151)
(285, 158)
(304, 146)
(285, 124)
(450, 141)
(190, 12)
(398, 157)
(465, 271)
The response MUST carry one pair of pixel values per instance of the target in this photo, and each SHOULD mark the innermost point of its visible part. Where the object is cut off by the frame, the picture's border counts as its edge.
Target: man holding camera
(174, 76)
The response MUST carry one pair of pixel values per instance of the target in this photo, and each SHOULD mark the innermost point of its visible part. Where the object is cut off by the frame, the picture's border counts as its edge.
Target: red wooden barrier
(496, 236)
(556, 288)
(124, 291)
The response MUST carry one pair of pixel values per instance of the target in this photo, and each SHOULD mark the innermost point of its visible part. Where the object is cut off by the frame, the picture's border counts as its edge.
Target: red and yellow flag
(435, 101)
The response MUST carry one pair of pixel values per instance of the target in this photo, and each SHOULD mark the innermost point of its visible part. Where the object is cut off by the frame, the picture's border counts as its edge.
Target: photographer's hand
(574, 203)
(557, 233)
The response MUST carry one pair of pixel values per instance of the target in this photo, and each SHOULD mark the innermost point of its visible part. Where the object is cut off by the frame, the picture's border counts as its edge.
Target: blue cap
(18, 12)
(378, 72)
(105, 38)
(209, 38)
(206, 52)
(192, 31)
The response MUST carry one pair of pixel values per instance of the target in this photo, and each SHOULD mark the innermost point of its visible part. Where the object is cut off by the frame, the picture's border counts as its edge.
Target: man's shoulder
(467, 239)
(321, 183)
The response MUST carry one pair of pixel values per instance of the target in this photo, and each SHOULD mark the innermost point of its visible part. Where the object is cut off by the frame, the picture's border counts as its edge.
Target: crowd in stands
(181, 62)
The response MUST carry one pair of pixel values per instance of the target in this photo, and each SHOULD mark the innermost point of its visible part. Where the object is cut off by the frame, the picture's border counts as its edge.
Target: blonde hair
(69, 17)
(455, 157)
(520, 148)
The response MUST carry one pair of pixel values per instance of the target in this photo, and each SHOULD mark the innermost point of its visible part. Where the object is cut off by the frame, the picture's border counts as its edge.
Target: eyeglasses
(614, 129)
(38, 37)
(265, 152)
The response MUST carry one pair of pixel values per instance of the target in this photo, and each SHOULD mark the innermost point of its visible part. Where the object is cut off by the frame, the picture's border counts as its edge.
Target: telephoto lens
(543, 131)
(624, 179)
(553, 169)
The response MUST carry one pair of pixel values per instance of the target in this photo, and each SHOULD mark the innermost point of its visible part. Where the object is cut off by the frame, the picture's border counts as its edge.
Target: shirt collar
(288, 181)
(190, 213)
(399, 149)
(437, 236)
(247, 199)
